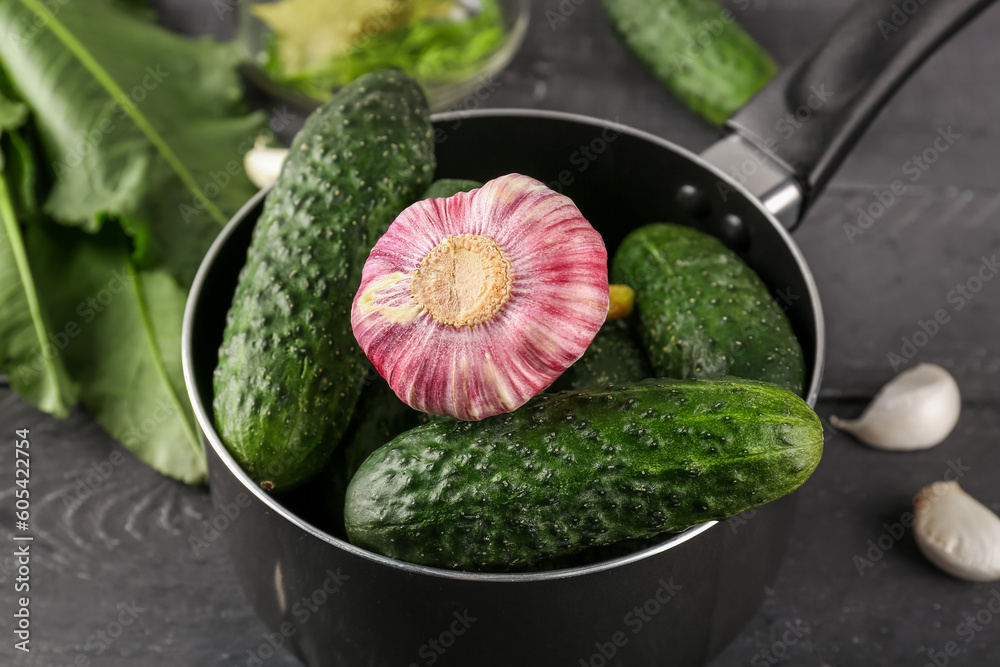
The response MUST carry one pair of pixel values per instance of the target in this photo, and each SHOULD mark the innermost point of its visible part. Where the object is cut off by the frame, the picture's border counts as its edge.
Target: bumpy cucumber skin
(290, 370)
(703, 312)
(379, 416)
(614, 357)
(713, 79)
(449, 187)
(579, 469)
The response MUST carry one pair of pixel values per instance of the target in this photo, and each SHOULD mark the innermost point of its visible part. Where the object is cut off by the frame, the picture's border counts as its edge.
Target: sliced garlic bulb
(263, 163)
(916, 410)
(471, 305)
(957, 532)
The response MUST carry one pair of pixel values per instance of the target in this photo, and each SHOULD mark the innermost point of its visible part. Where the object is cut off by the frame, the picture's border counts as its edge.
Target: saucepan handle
(806, 120)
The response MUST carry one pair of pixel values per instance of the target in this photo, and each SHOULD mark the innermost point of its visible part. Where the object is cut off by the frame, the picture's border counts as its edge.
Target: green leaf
(27, 353)
(33, 363)
(12, 114)
(138, 124)
(125, 345)
(132, 129)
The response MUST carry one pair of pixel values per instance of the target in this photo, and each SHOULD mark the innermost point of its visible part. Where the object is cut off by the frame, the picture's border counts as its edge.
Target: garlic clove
(263, 163)
(957, 532)
(471, 305)
(915, 410)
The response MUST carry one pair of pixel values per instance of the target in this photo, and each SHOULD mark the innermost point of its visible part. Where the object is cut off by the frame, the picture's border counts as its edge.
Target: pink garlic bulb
(471, 305)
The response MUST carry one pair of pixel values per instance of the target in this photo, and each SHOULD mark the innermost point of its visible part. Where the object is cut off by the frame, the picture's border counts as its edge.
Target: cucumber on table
(703, 312)
(697, 50)
(290, 371)
(574, 470)
(614, 357)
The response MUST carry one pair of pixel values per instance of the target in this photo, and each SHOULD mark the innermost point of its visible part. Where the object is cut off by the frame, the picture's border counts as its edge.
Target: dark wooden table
(127, 546)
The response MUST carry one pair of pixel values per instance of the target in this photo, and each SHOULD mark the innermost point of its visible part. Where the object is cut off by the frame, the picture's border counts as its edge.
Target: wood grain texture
(130, 538)
(123, 538)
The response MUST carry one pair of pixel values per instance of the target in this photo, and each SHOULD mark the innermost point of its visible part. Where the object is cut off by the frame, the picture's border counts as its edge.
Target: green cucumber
(697, 49)
(703, 312)
(575, 470)
(290, 371)
(614, 357)
(378, 418)
(448, 187)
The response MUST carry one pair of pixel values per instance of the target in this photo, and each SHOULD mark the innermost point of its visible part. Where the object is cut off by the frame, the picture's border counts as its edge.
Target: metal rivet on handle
(693, 201)
(734, 232)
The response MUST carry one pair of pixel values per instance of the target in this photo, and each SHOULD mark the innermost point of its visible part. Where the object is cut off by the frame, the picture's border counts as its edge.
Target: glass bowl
(304, 50)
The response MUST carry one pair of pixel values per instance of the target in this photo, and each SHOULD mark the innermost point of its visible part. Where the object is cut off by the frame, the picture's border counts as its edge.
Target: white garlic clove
(263, 163)
(916, 410)
(957, 532)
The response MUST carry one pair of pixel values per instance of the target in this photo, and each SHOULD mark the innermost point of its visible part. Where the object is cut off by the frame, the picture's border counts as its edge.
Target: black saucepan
(676, 603)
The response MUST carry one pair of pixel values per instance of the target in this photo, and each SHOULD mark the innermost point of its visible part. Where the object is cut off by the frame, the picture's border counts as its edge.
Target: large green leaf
(27, 350)
(137, 123)
(135, 129)
(125, 352)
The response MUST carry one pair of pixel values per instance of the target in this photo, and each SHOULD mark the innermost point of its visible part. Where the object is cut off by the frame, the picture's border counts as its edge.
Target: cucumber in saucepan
(703, 312)
(575, 470)
(614, 357)
(378, 418)
(290, 370)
